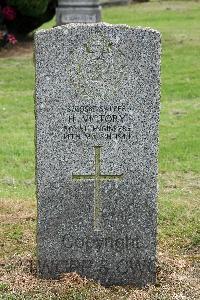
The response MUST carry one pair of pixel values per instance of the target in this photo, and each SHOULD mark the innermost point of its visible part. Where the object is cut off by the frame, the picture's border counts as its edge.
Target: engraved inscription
(91, 122)
(98, 178)
(98, 69)
(70, 18)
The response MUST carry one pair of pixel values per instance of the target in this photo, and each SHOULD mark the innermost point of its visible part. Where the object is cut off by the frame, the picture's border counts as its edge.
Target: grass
(179, 164)
(17, 123)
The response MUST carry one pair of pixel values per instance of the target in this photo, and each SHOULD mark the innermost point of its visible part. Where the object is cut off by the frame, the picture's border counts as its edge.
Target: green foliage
(32, 8)
(3, 287)
(31, 14)
(79, 294)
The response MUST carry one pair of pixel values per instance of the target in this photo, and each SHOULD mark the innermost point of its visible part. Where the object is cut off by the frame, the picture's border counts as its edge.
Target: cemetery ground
(179, 188)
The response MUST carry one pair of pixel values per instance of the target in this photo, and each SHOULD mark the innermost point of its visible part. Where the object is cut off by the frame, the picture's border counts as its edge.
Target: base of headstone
(78, 15)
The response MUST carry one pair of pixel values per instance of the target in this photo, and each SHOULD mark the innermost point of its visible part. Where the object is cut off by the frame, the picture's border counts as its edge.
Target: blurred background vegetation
(20, 17)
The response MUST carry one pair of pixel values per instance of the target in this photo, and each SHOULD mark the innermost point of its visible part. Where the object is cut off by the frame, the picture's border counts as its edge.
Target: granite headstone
(78, 11)
(97, 114)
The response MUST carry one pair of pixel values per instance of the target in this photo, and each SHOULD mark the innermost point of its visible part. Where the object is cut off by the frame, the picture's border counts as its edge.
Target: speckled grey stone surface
(78, 11)
(97, 114)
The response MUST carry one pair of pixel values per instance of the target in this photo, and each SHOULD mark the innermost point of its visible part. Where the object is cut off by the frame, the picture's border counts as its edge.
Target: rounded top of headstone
(98, 26)
(98, 57)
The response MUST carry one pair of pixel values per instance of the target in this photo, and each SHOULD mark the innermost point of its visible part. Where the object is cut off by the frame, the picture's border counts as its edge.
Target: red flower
(11, 39)
(9, 13)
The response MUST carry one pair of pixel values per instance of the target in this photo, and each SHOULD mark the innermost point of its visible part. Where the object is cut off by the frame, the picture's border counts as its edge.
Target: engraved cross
(98, 178)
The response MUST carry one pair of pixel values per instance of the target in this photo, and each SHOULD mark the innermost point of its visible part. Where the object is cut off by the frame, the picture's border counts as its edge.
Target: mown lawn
(179, 163)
